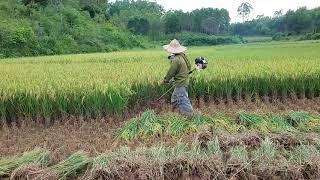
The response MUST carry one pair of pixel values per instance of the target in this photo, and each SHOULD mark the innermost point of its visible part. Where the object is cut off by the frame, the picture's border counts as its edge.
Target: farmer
(179, 72)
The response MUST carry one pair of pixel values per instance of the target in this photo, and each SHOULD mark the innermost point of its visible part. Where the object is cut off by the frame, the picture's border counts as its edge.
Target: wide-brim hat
(174, 47)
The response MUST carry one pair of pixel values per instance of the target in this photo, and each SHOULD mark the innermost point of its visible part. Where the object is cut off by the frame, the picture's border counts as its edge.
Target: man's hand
(162, 82)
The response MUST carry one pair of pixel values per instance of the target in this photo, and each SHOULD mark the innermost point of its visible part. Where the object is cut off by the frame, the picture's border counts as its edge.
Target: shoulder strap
(186, 60)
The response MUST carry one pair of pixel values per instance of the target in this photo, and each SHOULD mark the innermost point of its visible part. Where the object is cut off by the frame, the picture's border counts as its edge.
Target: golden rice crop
(100, 84)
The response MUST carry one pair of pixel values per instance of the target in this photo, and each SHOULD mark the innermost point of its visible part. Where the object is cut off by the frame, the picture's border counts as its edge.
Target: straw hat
(174, 47)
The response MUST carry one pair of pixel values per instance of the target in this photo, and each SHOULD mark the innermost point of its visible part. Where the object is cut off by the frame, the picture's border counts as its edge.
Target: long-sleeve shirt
(179, 70)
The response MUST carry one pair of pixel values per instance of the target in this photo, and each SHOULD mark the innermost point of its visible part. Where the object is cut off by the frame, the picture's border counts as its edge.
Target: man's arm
(171, 72)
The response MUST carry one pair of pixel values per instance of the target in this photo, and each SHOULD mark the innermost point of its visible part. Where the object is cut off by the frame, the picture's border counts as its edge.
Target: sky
(265, 7)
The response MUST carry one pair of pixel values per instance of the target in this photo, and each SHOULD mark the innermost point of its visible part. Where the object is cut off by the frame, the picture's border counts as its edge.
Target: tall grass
(99, 84)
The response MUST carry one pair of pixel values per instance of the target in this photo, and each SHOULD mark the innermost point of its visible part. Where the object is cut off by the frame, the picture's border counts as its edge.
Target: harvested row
(98, 85)
(180, 161)
(150, 125)
(247, 128)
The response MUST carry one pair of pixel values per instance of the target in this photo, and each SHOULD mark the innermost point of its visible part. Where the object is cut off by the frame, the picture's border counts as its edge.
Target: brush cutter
(201, 64)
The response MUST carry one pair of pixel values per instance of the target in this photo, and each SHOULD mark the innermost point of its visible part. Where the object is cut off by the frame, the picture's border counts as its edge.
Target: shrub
(280, 36)
(196, 39)
(311, 36)
(315, 36)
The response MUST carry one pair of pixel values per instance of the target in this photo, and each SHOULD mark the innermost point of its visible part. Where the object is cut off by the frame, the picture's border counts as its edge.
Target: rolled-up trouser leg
(181, 100)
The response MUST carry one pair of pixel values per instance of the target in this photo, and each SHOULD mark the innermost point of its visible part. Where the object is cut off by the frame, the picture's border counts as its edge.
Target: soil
(94, 136)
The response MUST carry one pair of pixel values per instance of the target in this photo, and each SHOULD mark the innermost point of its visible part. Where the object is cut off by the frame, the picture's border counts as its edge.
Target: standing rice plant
(55, 86)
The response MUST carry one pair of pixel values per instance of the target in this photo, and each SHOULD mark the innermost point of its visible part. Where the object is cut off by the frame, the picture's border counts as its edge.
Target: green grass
(99, 84)
(255, 39)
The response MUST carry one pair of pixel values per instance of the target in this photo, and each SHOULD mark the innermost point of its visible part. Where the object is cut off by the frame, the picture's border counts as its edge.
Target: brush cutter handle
(192, 71)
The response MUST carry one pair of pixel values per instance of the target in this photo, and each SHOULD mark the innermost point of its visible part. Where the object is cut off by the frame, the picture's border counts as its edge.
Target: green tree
(244, 10)
(299, 21)
(139, 26)
(172, 24)
(278, 13)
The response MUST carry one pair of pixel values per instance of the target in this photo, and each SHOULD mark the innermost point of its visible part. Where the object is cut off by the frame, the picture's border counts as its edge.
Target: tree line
(211, 21)
(297, 22)
(46, 27)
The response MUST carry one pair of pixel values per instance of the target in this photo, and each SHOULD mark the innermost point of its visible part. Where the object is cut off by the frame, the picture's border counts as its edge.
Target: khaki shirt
(179, 70)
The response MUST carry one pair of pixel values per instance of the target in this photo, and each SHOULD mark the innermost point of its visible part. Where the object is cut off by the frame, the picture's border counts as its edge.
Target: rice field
(95, 85)
(201, 159)
(259, 119)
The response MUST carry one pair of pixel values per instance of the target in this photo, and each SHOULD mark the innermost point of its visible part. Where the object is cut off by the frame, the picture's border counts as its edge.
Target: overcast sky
(266, 7)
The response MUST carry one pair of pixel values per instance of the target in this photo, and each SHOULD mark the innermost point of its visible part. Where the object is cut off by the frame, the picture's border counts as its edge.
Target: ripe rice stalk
(158, 153)
(196, 151)
(32, 170)
(312, 125)
(297, 118)
(213, 148)
(76, 163)
(304, 153)
(178, 126)
(130, 131)
(37, 157)
(149, 124)
(179, 150)
(101, 161)
(266, 152)
(280, 123)
(225, 123)
(249, 119)
(27, 87)
(254, 121)
(123, 152)
(99, 165)
(239, 155)
(201, 120)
